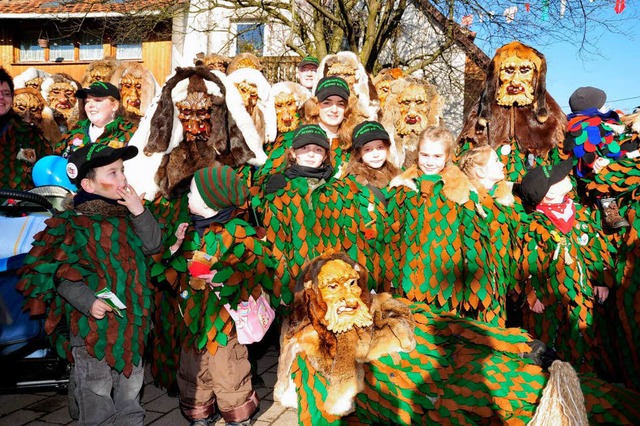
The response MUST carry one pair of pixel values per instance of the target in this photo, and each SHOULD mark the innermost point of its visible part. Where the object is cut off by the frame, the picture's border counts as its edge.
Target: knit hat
(99, 89)
(221, 187)
(309, 60)
(536, 183)
(95, 155)
(368, 131)
(308, 134)
(587, 97)
(330, 86)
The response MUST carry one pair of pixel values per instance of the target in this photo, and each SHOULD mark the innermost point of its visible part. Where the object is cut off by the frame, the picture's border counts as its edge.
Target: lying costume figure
(515, 114)
(348, 353)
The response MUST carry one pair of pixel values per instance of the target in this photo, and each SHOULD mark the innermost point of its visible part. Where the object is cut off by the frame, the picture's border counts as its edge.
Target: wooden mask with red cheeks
(194, 113)
(29, 103)
(62, 97)
(131, 93)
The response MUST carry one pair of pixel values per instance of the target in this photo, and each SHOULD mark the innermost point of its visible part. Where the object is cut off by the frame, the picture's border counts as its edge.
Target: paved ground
(38, 408)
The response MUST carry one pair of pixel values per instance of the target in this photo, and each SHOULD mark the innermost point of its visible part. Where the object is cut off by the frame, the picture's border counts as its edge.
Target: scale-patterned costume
(497, 223)
(22, 145)
(435, 247)
(462, 372)
(622, 178)
(102, 251)
(116, 134)
(563, 270)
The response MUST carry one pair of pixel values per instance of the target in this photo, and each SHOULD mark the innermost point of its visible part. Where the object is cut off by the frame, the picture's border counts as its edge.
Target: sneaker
(612, 218)
(205, 422)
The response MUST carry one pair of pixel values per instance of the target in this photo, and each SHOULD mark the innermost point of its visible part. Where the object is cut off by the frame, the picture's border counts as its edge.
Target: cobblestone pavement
(48, 408)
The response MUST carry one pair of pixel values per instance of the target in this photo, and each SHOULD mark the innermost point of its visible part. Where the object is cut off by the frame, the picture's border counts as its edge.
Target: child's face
(108, 179)
(494, 169)
(374, 153)
(558, 191)
(332, 111)
(197, 206)
(100, 111)
(432, 157)
(311, 155)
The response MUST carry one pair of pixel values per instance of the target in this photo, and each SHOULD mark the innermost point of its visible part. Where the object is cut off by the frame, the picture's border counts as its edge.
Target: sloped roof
(71, 8)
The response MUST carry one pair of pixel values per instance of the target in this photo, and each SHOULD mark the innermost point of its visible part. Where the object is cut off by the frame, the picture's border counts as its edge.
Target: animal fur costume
(65, 109)
(100, 70)
(515, 131)
(335, 343)
(405, 123)
(168, 162)
(460, 372)
(135, 101)
(31, 77)
(244, 60)
(281, 95)
(263, 114)
(29, 103)
(363, 87)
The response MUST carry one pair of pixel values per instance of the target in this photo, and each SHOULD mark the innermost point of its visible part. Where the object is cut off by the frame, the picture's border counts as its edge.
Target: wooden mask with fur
(194, 113)
(29, 103)
(34, 83)
(62, 97)
(101, 70)
(249, 93)
(516, 78)
(216, 62)
(131, 93)
(286, 112)
(344, 70)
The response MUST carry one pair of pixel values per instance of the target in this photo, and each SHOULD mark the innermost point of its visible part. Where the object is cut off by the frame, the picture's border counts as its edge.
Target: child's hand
(600, 164)
(537, 307)
(131, 200)
(99, 309)
(600, 293)
(180, 233)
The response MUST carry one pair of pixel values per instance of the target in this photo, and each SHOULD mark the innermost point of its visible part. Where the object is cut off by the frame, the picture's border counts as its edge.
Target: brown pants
(225, 378)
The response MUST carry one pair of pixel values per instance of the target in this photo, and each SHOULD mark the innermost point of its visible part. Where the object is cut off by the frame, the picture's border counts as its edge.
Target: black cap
(368, 131)
(330, 86)
(587, 97)
(536, 183)
(309, 60)
(99, 89)
(310, 134)
(95, 155)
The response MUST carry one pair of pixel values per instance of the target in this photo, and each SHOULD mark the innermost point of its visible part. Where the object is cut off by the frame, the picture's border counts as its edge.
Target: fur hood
(20, 81)
(457, 186)
(256, 77)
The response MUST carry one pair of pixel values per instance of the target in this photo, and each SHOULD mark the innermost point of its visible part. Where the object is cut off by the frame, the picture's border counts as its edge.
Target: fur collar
(457, 185)
(365, 175)
(95, 206)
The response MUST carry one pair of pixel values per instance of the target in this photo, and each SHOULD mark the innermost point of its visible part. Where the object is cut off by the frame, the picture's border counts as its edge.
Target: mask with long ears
(131, 94)
(28, 104)
(62, 98)
(194, 113)
(286, 112)
(249, 93)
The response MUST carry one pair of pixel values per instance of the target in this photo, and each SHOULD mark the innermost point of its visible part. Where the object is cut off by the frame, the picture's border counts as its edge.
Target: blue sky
(612, 65)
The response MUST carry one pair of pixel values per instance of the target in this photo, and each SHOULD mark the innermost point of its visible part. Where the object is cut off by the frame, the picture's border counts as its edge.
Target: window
(90, 47)
(129, 50)
(61, 49)
(30, 50)
(250, 37)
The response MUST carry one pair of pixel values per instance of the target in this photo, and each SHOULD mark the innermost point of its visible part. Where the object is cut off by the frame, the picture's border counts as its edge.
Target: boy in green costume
(89, 267)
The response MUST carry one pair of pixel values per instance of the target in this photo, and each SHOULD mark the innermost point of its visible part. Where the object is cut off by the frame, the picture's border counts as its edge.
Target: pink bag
(252, 318)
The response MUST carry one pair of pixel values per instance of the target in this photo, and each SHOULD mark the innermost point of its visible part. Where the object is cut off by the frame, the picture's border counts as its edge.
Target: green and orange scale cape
(296, 218)
(103, 252)
(244, 267)
(497, 223)
(462, 372)
(563, 270)
(116, 134)
(435, 248)
(622, 179)
(14, 136)
(355, 219)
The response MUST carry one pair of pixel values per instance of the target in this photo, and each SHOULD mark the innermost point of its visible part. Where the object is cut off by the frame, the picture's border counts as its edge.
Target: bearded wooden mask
(347, 72)
(339, 287)
(29, 103)
(286, 112)
(194, 113)
(131, 94)
(416, 110)
(516, 78)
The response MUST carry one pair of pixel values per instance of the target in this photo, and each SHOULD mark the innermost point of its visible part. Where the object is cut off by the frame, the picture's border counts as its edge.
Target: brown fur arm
(393, 327)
